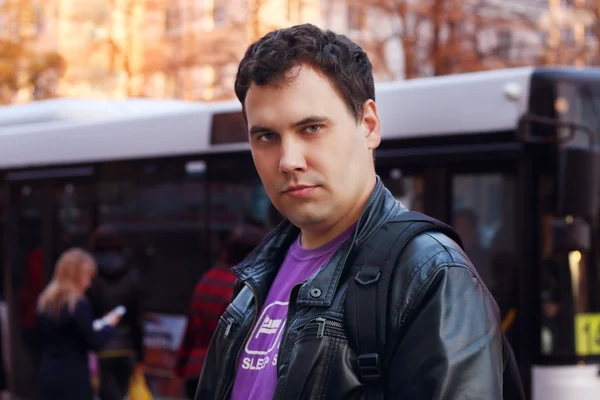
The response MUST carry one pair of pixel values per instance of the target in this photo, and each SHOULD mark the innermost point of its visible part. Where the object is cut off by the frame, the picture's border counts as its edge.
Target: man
(308, 98)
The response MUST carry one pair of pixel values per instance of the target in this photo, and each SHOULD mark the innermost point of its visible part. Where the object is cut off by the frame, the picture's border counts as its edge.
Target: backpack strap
(368, 286)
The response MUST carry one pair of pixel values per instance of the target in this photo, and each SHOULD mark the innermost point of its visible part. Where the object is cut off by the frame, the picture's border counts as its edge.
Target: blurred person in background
(466, 223)
(117, 283)
(65, 322)
(209, 300)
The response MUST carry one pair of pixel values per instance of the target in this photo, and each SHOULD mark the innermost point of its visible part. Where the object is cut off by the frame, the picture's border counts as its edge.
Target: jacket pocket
(317, 364)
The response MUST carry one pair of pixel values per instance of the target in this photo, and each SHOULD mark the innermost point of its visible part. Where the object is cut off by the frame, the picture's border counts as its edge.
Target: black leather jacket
(446, 323)
(118, 283)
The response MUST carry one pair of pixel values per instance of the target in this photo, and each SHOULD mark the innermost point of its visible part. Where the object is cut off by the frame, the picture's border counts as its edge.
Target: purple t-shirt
(256, 376)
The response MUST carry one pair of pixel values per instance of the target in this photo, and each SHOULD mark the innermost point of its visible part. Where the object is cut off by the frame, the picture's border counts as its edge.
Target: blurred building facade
(159, 48)
(571, 32)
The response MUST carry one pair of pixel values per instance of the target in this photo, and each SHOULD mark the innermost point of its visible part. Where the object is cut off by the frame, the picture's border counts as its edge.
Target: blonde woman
(66, 328)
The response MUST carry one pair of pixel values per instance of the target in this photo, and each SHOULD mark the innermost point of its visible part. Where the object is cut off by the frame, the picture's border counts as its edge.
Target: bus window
(236, 197)
(73, 216)
(579, 103)
(27, 280)
(159, 209)
(405, 187)
(483, 216)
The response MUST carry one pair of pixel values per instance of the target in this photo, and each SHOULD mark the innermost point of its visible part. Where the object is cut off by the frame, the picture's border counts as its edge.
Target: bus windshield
(579, 103)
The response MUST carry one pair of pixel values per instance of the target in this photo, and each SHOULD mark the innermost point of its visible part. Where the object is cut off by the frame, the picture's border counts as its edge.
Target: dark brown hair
(268, 61)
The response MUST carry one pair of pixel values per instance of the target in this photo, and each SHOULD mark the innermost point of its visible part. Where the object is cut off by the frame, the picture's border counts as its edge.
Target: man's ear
(371, 125)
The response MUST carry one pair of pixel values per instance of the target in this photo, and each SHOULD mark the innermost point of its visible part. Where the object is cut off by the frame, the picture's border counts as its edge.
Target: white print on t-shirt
(270, 323)
(269, 326)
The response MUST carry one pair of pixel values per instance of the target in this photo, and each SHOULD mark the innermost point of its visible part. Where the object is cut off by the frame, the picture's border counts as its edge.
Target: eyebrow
(312, 119)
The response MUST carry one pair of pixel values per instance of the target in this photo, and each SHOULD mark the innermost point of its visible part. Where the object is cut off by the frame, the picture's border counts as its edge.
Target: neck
(313, 238)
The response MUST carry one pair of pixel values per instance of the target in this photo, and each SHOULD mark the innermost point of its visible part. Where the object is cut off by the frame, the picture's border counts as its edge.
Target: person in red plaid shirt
(210, 298)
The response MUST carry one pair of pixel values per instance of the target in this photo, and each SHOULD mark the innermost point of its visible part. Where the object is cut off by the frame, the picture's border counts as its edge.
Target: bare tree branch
(448, 36)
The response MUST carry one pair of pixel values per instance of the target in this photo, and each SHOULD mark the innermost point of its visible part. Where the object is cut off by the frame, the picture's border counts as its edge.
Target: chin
(310, 215)
(305, 221)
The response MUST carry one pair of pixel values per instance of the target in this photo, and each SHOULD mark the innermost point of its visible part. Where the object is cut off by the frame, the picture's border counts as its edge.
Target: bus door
(493, 206)
(567, 331)
(48, 212)
(481, 190)
(483, 213)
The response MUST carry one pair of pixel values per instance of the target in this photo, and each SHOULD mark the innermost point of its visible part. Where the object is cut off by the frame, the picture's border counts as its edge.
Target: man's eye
(313, 128)
(265, 137)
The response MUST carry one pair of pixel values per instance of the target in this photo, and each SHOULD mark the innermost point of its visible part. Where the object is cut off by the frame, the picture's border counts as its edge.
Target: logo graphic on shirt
(267, 332)
(269, 326)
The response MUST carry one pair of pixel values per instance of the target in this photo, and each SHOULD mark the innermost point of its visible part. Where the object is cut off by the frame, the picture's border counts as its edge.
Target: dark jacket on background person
(65, 343)
(444, 340)
(117, 283)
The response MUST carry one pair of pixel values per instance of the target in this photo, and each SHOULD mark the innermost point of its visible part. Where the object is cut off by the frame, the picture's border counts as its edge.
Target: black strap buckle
(368, 274)
(368, 367)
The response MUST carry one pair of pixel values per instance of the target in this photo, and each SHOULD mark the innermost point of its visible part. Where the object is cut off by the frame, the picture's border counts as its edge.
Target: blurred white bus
(497, 149)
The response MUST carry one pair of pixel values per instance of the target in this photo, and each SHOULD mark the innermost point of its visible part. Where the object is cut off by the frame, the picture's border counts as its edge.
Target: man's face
(314, 159)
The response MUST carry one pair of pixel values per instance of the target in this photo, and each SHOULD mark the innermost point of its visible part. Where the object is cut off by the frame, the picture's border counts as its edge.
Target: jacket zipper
(291, 307)
(243, 342)
(230, 322)
(291, 310)
(322, 322)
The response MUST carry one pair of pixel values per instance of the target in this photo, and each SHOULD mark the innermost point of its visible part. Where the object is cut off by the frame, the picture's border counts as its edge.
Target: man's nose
(292, 156)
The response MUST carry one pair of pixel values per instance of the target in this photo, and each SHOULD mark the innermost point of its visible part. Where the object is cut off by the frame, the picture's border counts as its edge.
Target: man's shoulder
(427, 254)
(431, 243)
(434, 246)
(434, 266)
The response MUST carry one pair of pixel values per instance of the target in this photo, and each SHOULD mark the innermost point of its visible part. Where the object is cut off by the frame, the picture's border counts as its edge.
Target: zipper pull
(321, 330)
(228, 329)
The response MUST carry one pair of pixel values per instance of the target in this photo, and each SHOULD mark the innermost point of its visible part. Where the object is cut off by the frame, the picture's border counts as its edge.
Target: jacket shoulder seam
(419, 264)
(425, 285)
(445, 247)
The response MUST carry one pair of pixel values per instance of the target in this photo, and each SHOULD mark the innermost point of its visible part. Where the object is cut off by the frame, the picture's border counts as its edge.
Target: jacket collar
(262, 264)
